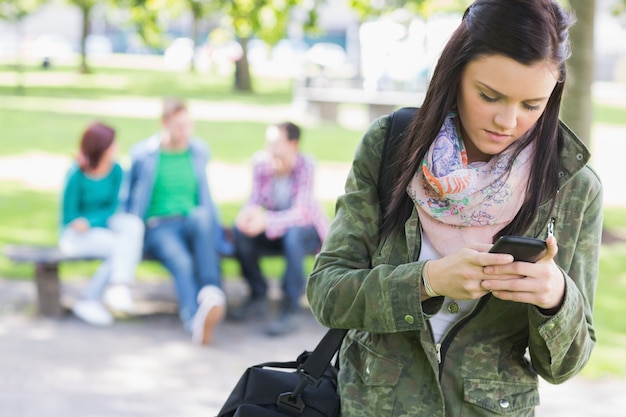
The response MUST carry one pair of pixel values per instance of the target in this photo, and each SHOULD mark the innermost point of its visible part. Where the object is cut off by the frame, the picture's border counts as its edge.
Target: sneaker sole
(213, 318)
(102, 322)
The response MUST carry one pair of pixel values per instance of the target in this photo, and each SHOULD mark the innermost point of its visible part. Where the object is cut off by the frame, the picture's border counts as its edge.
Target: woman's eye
(487, 98)
(531, 108)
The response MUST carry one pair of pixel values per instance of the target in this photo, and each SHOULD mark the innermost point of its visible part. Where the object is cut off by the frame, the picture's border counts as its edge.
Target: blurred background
(331, 66)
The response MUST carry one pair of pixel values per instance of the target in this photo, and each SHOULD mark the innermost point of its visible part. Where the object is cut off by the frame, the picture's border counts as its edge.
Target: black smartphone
(527, 249)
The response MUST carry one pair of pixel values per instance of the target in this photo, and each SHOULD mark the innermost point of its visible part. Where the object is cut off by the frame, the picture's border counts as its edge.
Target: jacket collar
(573, 156)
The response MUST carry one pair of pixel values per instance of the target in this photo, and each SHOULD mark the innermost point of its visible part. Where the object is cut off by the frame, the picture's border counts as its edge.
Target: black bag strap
(311, 371)
(319, 359)
(399, 121)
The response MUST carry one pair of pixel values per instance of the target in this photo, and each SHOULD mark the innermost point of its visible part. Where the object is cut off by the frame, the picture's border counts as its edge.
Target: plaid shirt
(304, 209)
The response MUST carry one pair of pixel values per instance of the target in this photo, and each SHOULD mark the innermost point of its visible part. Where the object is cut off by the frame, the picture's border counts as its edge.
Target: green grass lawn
(230, 141)
(65, 82)
(30, 216)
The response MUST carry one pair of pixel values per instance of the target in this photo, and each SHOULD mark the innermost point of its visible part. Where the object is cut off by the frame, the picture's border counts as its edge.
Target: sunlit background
(331, 66)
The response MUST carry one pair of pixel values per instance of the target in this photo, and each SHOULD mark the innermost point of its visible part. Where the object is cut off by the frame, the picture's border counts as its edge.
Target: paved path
(147, 367)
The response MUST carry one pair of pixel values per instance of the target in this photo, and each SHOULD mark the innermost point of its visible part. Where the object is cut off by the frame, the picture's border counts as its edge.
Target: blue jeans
(185, 247)
(294, 245)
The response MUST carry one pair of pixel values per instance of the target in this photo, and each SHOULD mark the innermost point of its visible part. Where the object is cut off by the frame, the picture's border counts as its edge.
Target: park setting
(235, 85)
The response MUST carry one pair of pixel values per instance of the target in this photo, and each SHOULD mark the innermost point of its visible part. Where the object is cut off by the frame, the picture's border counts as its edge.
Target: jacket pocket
(368, 381)
(501, 398)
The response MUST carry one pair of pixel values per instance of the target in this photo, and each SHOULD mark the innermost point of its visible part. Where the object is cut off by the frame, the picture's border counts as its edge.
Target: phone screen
(527, 249)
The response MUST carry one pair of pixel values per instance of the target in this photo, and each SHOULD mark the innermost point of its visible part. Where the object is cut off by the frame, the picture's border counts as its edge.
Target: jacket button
(504, 403)
(580, 156)
(409, 319)
(454, 308)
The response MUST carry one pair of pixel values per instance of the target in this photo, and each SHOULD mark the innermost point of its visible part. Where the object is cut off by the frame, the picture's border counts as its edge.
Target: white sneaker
(119, 299)
(211, 311)
(92, 312)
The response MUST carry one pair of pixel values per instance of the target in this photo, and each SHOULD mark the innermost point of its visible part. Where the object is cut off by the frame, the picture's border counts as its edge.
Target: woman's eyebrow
(493, 90)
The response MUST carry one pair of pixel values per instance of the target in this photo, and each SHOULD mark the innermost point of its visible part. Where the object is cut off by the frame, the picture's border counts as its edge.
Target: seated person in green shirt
(168, 188)
(91, 227)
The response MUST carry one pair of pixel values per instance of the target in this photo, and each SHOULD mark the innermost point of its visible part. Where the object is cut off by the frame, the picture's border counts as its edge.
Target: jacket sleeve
(351, 285)
(560, 345)
(69, 199)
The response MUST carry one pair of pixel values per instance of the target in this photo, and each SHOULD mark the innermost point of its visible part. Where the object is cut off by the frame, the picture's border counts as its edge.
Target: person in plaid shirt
(282, 216)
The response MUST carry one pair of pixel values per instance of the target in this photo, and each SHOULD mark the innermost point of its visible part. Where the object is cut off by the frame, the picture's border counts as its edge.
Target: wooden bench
(46, 260)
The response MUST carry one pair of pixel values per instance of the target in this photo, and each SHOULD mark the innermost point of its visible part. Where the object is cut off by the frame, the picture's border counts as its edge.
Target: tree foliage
(268, 20)
(16, 10)
(149, 17)
(424, 8)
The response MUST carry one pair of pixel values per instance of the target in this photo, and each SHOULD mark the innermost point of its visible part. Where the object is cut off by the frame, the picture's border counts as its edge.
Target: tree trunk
(577, 101)
(84, 68)
(195, 29)
(243, 80)
(19, 67)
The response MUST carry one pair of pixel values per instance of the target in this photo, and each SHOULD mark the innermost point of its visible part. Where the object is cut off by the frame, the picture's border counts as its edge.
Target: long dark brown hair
(527, 31)
(96, 139)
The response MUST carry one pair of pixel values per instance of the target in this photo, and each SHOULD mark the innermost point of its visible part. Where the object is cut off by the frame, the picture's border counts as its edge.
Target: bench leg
(48, 289)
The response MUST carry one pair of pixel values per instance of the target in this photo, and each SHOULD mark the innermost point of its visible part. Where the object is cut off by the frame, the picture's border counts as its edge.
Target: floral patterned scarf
(458, 202)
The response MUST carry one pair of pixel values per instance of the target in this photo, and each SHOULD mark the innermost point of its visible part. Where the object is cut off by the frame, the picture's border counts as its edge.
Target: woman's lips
(499, 137)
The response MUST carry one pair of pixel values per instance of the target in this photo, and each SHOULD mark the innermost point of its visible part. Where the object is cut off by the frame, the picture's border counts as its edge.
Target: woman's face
(499, 99)
(110, 154)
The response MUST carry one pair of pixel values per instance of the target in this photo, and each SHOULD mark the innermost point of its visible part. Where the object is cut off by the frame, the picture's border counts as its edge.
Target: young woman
(440, 326)
(90, 227)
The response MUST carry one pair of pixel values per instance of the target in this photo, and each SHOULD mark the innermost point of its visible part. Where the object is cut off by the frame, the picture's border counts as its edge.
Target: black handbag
(265, 390)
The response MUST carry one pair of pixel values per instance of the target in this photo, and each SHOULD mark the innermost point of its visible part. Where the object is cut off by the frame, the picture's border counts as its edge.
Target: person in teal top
(168, 188)
(91, 198)
(92, 227)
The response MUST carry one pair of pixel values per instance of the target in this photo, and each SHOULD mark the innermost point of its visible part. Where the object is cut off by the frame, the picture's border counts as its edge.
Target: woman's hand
(460, 274)
(81, 225)
(541, 283)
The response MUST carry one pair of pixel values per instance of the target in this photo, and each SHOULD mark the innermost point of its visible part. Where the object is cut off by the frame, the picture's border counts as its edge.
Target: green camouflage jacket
(488, 363)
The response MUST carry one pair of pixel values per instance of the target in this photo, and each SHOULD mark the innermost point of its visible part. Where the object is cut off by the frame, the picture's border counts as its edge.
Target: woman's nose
(506, 118)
